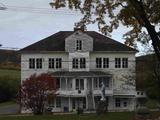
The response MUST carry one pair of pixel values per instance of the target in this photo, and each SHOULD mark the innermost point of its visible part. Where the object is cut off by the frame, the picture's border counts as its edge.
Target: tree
(35, 90)
(136, 14)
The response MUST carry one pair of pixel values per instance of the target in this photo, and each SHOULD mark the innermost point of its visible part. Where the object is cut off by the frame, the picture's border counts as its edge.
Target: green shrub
(8, 88)
(143, 111)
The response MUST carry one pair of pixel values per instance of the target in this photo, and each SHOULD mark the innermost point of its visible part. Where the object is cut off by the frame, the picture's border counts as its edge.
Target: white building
(80, 61)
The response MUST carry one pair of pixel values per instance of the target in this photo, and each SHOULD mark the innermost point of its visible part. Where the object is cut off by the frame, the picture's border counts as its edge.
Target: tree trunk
(138, 6)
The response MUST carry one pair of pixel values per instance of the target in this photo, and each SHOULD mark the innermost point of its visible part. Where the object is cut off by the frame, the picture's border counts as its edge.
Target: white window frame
(51, 63)
(58, 63)
(39, 63)
(79, 63)
(105, 62)
(102, 62)
(32, 63)
(98, 62)
(117, 102)
(124, 62)
(78, 44)
(117, 62)
(78, 85)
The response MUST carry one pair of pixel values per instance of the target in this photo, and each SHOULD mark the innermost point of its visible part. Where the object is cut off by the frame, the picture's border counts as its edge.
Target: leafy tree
(135, 14)
(35, 90)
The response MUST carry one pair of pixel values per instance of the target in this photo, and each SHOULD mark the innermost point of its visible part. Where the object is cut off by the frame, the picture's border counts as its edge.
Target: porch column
(92, 83)
(69, 103)
(93, 92)
(60, 87)
(66, 79)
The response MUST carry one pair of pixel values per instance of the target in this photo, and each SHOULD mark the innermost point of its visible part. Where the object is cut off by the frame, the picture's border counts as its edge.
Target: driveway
(9, 109)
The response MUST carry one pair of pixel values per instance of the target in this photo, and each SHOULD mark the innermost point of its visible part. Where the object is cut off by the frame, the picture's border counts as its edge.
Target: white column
(93, 93)
(69, 104)
(85, 83)
(66, 79)
(73, 83)
(92, 83)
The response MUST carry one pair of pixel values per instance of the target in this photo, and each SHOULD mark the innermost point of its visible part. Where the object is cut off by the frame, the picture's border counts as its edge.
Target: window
(58, 83)
(58, 63)
(31, 63)
(125, 62)
(117, 62)
(79, 45)
(82, 63)
(58, 102)
(51, 63)
(54, 63)
(79, 84)
(98, 63)
(78, 63)
(105, 62)
(75, 63)
(35, 63)
(125, 103)
(117, 102)
(39, 63)
(102, 62)
(98, 82)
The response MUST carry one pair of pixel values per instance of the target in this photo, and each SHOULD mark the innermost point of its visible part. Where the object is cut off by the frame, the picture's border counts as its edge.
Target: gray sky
(28, 21)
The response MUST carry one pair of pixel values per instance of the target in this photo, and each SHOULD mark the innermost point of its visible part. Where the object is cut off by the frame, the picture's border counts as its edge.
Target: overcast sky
(27, 21)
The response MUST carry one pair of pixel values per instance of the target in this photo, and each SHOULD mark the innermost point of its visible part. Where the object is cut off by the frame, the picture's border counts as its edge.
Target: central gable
(79, 41)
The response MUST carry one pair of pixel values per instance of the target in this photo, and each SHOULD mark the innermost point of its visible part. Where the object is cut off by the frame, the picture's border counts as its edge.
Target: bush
(143, 111)
(8, 88)
(79, 111)
(101, 108)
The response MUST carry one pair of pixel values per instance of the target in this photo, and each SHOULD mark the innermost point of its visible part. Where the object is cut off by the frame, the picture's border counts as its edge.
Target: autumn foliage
(35, 90)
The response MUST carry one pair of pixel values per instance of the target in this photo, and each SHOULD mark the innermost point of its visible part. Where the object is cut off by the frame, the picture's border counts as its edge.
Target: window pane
(75, 63)
(98, 63)
(58, 102)
(117, 62)
(51, 63)
(77, 84)
(39, 63)
(79, 45)
(105, 62)
(58, 83)
(82, 63)
(82, 84)
(117, 102)
(58, 62)
(31, 63)
(125, 62)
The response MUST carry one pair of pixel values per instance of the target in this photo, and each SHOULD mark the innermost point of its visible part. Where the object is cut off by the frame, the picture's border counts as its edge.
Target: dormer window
(79, 45)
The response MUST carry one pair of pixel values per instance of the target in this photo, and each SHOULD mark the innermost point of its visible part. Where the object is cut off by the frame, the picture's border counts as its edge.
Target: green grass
(8, 103)
(108, 116)
(13, 74)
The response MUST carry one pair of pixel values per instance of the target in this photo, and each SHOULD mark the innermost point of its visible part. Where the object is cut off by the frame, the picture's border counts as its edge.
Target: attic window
(79, 45)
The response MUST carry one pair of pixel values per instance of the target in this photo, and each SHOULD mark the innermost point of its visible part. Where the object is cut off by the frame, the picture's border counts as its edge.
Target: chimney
(81, 29)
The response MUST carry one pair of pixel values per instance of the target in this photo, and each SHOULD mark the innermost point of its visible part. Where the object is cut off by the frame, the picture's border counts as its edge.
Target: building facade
(81, 61)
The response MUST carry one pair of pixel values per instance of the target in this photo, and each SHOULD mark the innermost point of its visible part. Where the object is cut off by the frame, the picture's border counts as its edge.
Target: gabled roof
(56, 42)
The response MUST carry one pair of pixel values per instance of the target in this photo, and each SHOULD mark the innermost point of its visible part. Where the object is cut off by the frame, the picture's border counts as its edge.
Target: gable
(71, 42)
(56, 42)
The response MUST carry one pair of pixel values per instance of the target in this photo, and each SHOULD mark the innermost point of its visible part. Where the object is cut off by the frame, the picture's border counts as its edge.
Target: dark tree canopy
(35, 91)
(135, 14)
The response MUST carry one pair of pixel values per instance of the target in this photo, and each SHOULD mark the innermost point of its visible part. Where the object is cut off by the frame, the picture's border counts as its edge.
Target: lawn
(13, 74)
(107, 116)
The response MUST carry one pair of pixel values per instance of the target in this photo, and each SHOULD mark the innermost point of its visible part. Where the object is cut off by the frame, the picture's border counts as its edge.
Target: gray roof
(80, 74)
(56, 42)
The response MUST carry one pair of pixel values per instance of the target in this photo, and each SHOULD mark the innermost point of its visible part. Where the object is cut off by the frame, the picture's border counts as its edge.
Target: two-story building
(81, 61)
